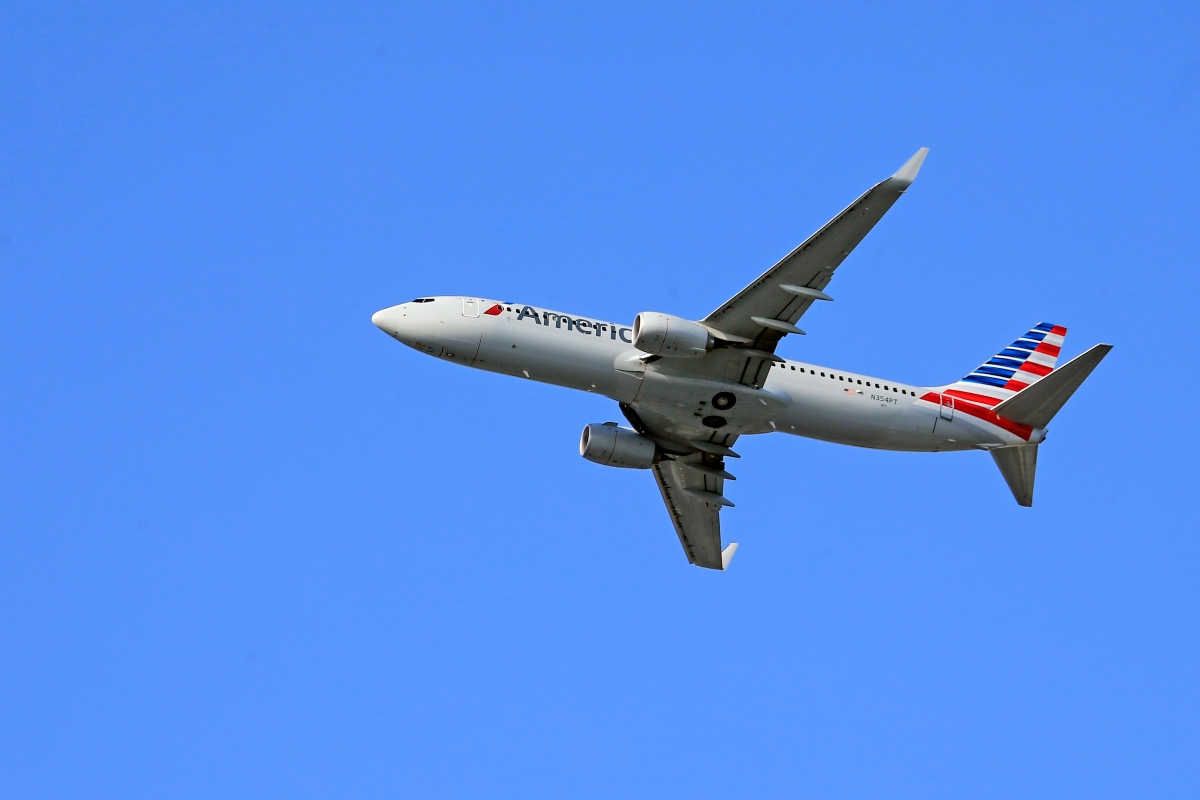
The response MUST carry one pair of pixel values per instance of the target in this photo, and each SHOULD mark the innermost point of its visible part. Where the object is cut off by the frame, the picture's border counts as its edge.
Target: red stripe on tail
(985, 414)
(974, 398)
(1048, 349)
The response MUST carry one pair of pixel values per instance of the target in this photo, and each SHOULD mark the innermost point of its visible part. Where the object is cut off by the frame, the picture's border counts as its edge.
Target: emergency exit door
(947, 407)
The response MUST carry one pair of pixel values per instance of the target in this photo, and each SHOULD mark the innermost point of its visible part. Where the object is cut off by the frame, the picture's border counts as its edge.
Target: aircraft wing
(764, 312)
(692, 491)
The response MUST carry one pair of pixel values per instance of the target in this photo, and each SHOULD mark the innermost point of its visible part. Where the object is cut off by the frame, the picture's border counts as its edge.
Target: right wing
(764, 312)
(692, 490)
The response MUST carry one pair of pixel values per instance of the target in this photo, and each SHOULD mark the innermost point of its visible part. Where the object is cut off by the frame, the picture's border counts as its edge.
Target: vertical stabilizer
(1018, 465)
(1023, 363)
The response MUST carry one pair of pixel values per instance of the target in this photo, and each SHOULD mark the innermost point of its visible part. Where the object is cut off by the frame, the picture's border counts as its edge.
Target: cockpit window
(423, 300)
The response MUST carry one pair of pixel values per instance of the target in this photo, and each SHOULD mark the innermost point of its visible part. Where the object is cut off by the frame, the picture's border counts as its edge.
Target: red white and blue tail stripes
(1024, 362)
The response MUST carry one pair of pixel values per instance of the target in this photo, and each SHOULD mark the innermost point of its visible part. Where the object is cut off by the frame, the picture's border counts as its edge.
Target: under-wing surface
(688, 389)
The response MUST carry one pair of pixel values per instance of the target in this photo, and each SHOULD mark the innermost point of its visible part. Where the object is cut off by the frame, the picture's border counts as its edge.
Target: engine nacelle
(664, 335)
(614, 446)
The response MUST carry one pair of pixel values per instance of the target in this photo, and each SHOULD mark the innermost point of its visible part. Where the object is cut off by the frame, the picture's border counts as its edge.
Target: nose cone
(388, 320)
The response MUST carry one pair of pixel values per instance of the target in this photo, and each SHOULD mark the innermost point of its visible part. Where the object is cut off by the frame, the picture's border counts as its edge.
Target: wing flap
(694, 498)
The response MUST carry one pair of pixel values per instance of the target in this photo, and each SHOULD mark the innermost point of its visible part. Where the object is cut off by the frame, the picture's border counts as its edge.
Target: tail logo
(1023, 362)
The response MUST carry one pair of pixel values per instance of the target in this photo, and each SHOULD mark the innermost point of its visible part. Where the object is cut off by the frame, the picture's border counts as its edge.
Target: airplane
(690, 388)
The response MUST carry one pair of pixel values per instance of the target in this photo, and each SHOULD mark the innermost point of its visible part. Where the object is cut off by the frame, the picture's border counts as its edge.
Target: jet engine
(614, 446)
(664, 335)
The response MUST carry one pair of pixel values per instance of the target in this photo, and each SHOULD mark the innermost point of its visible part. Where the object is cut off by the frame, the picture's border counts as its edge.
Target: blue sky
(251, 547)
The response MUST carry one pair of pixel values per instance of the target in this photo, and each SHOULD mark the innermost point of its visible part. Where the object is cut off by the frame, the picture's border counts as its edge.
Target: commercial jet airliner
(689, 389)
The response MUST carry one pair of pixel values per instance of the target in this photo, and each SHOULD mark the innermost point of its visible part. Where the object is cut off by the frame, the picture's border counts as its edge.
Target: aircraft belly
(848, 417)
(964, 433)
(821, 413)
(843, 428)
(694, 408)
(913, 429)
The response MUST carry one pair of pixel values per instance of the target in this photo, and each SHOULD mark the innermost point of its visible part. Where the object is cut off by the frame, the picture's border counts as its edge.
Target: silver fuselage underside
(674, 395)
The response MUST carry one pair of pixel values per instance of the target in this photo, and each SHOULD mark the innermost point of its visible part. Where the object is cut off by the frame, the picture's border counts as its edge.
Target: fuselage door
(947, 407)
(470, 307)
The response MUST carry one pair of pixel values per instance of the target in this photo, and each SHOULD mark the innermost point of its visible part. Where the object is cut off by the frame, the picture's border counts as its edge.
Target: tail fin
(1038, 404)
(1023, 363)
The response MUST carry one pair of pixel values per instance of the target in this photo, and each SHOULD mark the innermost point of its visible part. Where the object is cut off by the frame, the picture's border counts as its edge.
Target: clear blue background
(251, 547)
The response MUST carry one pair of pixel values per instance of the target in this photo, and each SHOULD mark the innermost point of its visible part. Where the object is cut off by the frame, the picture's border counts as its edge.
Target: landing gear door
(470, 307)
(947, 411)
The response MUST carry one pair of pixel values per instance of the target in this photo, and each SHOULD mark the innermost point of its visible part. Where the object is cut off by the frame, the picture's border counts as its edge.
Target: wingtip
(908, 173)
(727, 554)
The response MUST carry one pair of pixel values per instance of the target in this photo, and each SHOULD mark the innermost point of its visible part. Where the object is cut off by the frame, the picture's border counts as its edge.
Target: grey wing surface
(694, 499)
(764, 312)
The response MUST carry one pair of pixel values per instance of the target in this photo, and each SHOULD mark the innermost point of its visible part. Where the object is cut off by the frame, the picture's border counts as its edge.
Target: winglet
(727, 554)
(908, 173)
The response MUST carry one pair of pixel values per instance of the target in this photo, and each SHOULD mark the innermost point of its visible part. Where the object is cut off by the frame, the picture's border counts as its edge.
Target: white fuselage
(597, 356)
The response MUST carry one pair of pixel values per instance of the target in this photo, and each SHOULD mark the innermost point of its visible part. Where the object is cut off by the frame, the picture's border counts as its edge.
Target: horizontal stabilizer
(1037, 404)
(727, 554)
(1018, 465)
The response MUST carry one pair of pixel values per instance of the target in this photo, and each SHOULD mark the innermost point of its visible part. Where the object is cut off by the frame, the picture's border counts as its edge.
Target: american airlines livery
(689, 389)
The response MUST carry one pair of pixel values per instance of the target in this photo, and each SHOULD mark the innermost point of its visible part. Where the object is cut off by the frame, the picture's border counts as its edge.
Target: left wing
(693, 492)
(766, 310)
